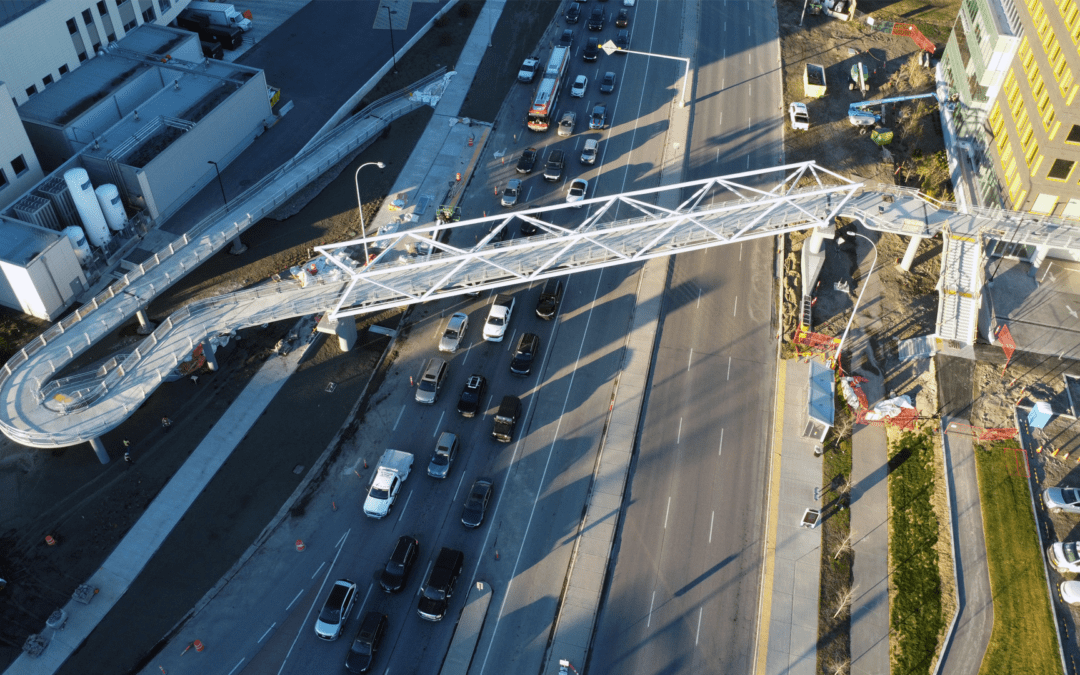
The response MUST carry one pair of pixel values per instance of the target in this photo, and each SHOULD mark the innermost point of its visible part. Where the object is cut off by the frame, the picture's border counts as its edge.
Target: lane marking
(690, 360)
(699, 290)
(304, 623)
(298, 594)
(678, 434)
(460, 481)
(721, 443)
(668, 512)
(468, 349)
(712, 520)
(398, 420)
(238, 664)
(651, 603)
(510, 342)
(267, 631)
(734, 312)
(317, 571)
(341, 540)
(439, 425)
(405, 506)
(366, 596)
(729, 367)
(740, 251)
(698, 636)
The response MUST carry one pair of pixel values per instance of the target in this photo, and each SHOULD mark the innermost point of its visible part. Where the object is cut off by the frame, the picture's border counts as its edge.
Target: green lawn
(1024, 641)
(915, 614)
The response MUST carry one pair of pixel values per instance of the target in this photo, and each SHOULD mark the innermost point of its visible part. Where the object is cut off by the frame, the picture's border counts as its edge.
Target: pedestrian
(127, 443)
(166, 423)
(128, 461)
(195, 379)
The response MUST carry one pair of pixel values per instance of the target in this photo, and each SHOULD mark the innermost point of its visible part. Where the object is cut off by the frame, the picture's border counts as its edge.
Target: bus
(542, 112)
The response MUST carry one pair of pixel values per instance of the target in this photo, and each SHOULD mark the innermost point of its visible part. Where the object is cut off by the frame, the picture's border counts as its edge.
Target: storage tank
(78, 242)
(86, 203)
(109, 199)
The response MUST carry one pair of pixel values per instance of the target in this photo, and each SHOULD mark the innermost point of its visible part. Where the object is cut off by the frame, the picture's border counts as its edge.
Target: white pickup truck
(528, 69)
(498, 318)
(800, 117)
(390, 473)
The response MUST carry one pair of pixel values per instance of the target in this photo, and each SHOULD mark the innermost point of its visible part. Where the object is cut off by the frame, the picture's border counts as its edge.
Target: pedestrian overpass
(43, 406)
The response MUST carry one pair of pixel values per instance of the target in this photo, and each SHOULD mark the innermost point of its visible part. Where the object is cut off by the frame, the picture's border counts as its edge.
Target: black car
(592, 49)
(596, 19)
(500, 235)
(396, 573)
(550, 297)
(528, 229)
(598, 119)
(472, 513)
(607, 84)
(556, 162)
(573, 13)
(567, 38)
(525, 354)
(436, 592)
(527, 161)
(472, 395)
(622, 39)
(623, 20)
(367, 641)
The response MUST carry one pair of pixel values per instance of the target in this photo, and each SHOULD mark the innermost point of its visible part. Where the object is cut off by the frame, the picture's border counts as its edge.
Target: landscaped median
(1024, 639)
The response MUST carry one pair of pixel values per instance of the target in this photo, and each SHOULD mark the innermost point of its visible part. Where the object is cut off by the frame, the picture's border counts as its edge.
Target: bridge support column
(818, 236)
(909, 254)
(99, 450)
(211, 357)
(1038, 258)
(146, 326)
(237, 246)
(346, 333)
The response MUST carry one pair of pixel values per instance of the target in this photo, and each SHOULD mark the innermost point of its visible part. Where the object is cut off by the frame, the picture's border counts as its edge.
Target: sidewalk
(791, 580)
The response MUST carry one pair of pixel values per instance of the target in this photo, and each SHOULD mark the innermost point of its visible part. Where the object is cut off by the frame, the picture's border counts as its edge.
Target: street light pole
(360, 205)
(390, 20)
(857, 300)
(220, 184)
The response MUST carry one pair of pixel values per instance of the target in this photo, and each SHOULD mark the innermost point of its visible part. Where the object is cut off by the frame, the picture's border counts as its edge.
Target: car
(567, 38)
(506, 418)
(528, 69)
(596, 19)
(556, 162)
(623, 20)
(499, 231)
(472, 395)
(598, 119)
(622, 39)
(335, 611)
(566, 124)
(547, 305)
(527, 161)
(1060, 499)
(1070, 592)
(446, 449)
(525, 354)
(437, 590)
(366, 643)
(1065, 556)
(581, 83)
(431, 381)
(589, 152)
(573, 13)
(628, 3)
(511, 192)
(607, 85)
(455, 331)
(475, 507)
(396, 572)
(592, 49)
(579, 188)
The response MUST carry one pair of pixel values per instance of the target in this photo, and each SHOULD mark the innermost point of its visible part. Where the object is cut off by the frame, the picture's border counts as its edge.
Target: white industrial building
(109, 140)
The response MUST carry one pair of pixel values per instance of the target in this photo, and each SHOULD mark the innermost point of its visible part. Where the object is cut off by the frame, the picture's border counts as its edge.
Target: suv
(396, 573)
(472, 395)
(427, 392)
(596, 19)
(368, 638)
(528, 346)
(445, 452)
(436, 592)
(622, 41)
(566, 124)
(573, 12)
(592, 49)
(527, 161)
(553, 170)
(550, 297)
(506, 419)
(567, 38)
(335, 611)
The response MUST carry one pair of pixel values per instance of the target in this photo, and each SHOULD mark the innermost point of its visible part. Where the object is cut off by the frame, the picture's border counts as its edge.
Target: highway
(683, 594)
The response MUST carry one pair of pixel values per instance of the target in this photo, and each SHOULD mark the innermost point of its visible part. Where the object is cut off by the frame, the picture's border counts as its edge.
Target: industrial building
(95, 159)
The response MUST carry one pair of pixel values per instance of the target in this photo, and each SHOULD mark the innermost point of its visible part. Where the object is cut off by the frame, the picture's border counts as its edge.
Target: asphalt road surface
(683, 594)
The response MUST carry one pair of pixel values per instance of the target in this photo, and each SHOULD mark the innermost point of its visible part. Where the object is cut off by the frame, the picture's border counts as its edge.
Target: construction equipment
(859, 78)
(860, 113)
(907, 29)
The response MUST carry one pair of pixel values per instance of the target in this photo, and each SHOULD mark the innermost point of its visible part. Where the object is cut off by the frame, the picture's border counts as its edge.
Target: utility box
(1040, 415)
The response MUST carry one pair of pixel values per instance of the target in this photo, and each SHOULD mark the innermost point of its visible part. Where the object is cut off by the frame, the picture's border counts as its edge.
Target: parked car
(511, 192)
(579, 188)
(598, 119)
(607, 84)
(588, 153)
(596, 19)
(475, 508)
(527, 348)
(368, 638)
(396, 572)
(573, 13)
(622, 39)
(431, 381)
(472, 395)
(335, 611)
(592, 49)
(527, 161)
(581, 83)
(1070, 592)
(567, 38)
(446, 449)
(556, 162)
(566, 124)
(550, 299)
(455, 331)
(623, 20)
(1064, 556)
(1060, 499)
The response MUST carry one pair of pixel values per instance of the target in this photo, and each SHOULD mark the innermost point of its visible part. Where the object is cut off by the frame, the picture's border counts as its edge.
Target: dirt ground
(89, 507)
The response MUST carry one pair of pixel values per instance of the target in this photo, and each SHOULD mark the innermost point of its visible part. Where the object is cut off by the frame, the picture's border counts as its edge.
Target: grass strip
(1023, 640)
(915, 615)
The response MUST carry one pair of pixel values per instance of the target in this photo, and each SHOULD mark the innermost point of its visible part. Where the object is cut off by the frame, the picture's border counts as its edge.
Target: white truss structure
(619, 229)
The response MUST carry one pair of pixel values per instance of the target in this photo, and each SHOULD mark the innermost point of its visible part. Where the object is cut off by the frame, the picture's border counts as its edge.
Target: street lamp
(220, 184)
(360, 205)
(390, 19)
(859, 299)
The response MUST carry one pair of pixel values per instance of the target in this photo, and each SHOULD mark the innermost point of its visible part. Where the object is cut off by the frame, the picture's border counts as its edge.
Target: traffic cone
(50, 540)
(300, 545)
(198, 646)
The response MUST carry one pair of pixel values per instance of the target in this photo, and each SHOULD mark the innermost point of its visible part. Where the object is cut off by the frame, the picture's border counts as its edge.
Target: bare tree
(843, 600)
(845, 544)
(838, 667)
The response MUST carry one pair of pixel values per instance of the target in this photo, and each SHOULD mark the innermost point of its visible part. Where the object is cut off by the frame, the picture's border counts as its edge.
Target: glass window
(64, 69)
(72, 26)
(148, 15)
(1060, 169)
(31, 90)
(3, 180)
(87, 17)
(47, 80)
(165, 5)
(82, 56)
(18, 165)
(1074, 134)
(102, 9)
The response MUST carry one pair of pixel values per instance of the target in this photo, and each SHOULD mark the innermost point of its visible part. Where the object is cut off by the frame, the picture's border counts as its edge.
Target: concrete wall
(46, 286)
(14, 143)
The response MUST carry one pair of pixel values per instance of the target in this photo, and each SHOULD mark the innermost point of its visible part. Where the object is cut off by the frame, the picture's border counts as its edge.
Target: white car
(1065, 556)
(454, 333)
(383, 494)
(628, 3)
(1060, 499)
(579, 187)
(1070, 592)
(335, 611)
(581, 83)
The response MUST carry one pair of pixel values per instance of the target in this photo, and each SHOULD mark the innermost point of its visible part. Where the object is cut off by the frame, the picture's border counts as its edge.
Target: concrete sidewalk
(791, 580)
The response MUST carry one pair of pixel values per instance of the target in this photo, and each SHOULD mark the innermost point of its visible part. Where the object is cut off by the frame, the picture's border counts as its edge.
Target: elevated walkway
(959, 288)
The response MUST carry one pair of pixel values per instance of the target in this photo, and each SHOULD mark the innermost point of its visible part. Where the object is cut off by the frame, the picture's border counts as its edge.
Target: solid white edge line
(698, 636)
(712, 521)
(735, 312)
(721, 450)
(690, 359)
(678, 434)
(398, 420)
(651, 603)
(667, 512)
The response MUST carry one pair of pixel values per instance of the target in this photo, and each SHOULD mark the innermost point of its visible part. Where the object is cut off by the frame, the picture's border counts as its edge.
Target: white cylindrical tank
(109, 199)
(86, 203)
(78, 242)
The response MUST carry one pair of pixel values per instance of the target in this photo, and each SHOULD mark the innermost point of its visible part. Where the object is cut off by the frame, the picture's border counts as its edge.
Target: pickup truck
(498, 318)
(437, 590)
(800, 118)
(390, 473)
(528, 69)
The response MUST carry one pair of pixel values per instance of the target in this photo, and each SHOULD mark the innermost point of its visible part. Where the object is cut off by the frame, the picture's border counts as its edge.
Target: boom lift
(861, 115)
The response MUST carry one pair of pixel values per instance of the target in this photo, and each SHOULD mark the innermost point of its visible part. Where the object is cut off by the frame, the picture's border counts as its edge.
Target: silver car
(512, 192)
(445, 452)
(566, 124)
(431, 381)
(454, 333)
(1059, 499)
